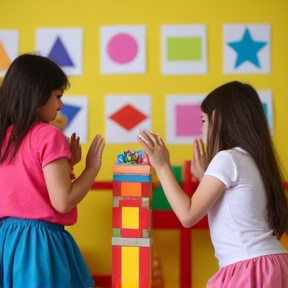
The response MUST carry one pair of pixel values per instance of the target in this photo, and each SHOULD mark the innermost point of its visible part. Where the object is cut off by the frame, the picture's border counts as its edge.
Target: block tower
(131, 217)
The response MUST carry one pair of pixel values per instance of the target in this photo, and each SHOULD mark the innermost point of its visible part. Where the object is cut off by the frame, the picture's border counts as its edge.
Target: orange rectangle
(132, 169)
(131, 189)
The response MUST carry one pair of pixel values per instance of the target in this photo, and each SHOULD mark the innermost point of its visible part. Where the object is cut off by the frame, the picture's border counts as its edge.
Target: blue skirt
(38, 254)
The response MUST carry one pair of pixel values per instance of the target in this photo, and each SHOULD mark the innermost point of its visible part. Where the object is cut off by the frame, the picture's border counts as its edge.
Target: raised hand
(199, 161)
(155, 148)
(75, 148)
(94, 155)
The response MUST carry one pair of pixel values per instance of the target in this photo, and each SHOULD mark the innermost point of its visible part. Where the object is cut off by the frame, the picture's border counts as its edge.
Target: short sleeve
(223, 167)
(51, 144)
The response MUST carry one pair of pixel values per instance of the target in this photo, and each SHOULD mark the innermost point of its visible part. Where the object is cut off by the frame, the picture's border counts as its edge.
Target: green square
(184, 49)
(116, 232)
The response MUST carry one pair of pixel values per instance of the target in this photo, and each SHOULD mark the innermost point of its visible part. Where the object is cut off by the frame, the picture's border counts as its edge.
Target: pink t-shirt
(23, 191)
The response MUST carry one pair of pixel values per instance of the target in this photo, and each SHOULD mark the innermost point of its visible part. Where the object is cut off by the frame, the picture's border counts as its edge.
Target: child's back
(238, 221)
(26, 195)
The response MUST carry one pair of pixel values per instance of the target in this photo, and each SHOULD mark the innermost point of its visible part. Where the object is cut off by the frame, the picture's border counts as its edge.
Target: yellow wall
(93, 231)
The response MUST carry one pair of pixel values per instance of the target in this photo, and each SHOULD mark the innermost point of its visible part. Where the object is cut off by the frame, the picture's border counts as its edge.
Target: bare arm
(64, 195)
(190, 211)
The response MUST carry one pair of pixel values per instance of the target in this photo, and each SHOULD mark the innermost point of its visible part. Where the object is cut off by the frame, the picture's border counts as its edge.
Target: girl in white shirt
(241, 189)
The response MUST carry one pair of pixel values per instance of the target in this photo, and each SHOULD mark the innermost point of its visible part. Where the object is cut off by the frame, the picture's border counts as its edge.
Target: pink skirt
(270, 271)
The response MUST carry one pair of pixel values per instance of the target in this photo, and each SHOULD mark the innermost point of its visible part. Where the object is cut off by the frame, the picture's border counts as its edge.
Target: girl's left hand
(75, 148)
(155, 148)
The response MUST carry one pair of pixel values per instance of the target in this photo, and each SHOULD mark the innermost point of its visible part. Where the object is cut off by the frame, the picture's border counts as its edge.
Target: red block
(145, 218)
(131, 233)
(130, 203)
(146, 189)
(145, 267)
(116, 188)
(116, 217)
(116, 266)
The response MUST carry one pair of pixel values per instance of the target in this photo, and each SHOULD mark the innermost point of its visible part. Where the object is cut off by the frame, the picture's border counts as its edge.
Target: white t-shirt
(238, 220)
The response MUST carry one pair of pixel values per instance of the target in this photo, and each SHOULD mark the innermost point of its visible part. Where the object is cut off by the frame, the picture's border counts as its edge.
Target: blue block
(131, 178)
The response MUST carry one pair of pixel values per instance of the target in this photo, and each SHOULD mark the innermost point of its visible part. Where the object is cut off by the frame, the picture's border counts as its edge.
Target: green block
(116, 232)
(184, 49)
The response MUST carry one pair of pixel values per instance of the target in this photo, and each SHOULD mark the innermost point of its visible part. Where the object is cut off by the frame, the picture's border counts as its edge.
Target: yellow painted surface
(130, 217)
(131, 189)
(130, 267)
(93, 231)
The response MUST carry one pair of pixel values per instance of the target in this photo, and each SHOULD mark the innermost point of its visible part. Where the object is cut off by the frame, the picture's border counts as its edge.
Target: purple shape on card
(60, 55)
(188, 121)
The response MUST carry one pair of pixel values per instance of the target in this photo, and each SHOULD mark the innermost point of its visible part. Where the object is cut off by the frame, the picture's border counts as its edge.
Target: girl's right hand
(94, 155)
(155, 148)
(199, 162)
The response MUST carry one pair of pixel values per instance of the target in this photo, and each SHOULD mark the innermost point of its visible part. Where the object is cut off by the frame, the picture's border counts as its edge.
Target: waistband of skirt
(32, 223)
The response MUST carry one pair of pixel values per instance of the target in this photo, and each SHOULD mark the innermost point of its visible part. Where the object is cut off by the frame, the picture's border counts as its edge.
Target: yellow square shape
(130, 217)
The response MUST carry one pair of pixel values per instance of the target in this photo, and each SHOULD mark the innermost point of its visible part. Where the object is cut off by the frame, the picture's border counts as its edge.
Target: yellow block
(130, 267)
(130, 218)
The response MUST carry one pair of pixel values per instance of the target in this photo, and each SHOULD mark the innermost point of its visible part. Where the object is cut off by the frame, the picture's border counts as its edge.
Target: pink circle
(122, 48)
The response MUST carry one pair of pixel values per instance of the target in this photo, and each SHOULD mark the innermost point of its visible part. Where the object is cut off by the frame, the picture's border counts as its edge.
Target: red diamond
(128, 117)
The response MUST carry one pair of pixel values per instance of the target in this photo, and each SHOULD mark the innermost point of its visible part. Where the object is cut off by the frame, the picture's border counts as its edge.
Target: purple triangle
(59, 54)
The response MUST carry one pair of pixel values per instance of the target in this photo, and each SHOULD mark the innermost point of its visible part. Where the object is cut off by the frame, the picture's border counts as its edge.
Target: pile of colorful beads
(133, 157)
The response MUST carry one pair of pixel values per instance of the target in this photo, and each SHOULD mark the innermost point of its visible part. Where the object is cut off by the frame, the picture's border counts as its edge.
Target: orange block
(131, 189)
(132, 169)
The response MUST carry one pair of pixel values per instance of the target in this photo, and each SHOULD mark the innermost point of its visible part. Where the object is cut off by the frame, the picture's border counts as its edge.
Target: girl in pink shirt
(37, 198)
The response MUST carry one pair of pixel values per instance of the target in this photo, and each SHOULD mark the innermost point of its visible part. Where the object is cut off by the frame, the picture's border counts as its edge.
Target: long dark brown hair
(27, 86)
(237, 119)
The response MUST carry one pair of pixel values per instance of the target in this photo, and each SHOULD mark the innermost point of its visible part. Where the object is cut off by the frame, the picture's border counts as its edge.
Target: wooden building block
(145, 267)
(116, 217)
(131, 202)
(146, 189)
(116, 232)
(131, 189)
(116, 267)
(146, 233)
(146, 202)
(131, 178)
(130, 217)
(116, 201)
(132, 169)
(131, 233)
(145, 218)
(116, 189)
(132, 242)
(142, 189)
(130, 267)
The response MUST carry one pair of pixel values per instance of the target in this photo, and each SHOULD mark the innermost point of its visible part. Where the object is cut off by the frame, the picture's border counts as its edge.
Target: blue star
(247, 49)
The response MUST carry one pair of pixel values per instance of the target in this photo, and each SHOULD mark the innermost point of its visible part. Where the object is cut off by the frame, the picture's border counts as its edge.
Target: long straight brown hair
(27, 86)
(239, 121)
